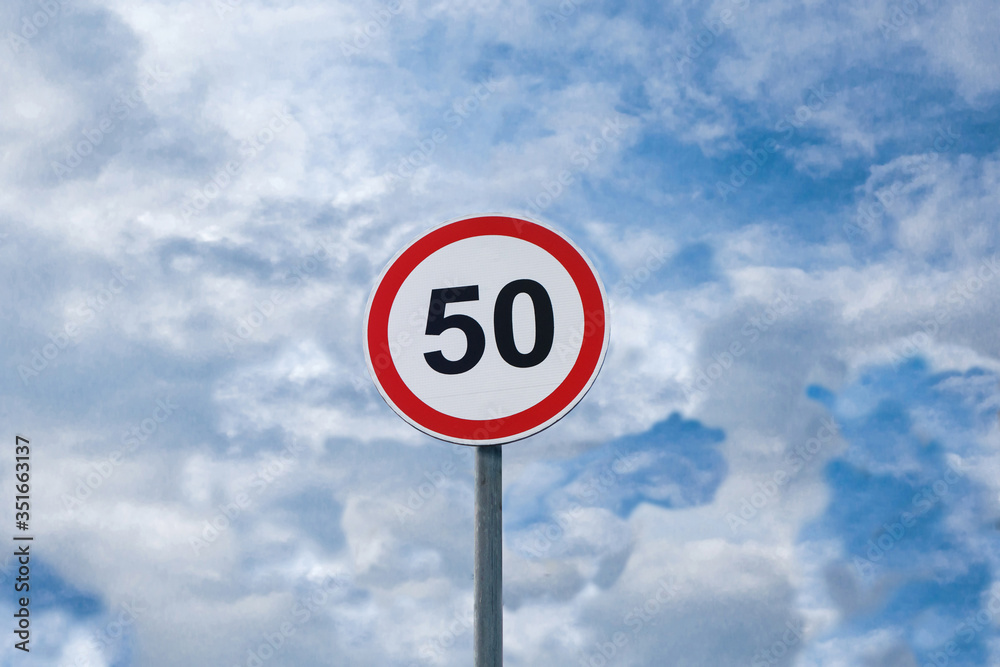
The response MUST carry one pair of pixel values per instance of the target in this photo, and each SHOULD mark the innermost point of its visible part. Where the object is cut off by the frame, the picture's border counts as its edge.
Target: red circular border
(511, 427)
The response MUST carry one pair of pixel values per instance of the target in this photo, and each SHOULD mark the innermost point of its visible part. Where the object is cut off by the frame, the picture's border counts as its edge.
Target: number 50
(503, 326)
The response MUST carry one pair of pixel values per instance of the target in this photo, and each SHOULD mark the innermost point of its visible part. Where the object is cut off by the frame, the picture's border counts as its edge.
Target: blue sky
(790, 456)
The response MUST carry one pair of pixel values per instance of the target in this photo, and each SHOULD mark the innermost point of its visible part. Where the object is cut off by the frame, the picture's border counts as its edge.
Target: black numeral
(503, 326)
(475, 339)
(503, 323)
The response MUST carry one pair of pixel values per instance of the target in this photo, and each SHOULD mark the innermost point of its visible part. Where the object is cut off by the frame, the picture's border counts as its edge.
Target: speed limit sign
(486, 330)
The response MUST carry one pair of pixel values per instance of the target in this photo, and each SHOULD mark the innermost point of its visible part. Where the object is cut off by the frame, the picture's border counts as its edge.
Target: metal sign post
(488, 572)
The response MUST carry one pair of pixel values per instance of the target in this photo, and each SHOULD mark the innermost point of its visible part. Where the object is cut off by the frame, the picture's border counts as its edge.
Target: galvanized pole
(488, 573)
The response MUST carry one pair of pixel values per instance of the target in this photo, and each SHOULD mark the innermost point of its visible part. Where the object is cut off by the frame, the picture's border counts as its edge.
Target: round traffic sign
(486, 330)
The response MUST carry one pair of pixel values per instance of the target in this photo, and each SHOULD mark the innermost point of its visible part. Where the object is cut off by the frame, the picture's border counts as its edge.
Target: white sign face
(486, 330)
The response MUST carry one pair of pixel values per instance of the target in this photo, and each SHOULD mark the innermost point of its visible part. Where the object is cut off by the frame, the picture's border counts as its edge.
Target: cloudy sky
(790, 456)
